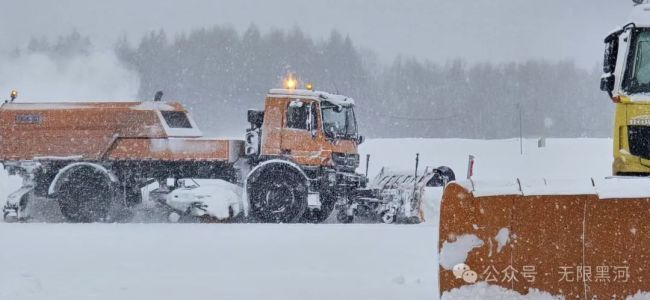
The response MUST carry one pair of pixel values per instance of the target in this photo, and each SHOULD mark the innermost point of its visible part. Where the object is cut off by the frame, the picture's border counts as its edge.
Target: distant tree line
(219, 73)
(65, 46)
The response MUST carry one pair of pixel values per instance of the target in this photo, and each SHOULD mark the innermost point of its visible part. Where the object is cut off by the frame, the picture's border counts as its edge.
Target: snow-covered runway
(202, 261)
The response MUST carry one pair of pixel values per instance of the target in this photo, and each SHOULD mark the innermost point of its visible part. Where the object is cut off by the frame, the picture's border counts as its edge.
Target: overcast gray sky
(477, 30)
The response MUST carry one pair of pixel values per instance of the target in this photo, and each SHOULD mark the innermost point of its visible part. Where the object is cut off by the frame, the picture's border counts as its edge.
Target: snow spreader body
(297, 159)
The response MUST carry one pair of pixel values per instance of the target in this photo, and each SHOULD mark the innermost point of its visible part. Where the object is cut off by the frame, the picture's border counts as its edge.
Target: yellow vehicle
(627, 81)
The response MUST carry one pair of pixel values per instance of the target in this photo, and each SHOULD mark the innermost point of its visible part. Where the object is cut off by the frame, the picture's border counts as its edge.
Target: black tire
(278, 195)
(320, 215)
(86, 196)
(447, 172)
(442, 175)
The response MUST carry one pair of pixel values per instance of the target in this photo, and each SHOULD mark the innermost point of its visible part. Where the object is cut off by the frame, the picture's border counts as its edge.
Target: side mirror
(611, 53)
(607, 83)
(609, 62)
(360, 139)
(256, 118)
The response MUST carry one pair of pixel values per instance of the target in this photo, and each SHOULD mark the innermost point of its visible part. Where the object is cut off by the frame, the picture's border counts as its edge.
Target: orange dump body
(106, 131)
(578, 246)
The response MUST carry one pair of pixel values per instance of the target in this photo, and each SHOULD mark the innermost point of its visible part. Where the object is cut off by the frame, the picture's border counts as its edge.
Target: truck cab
(626, 79)
(315, 131)
(312, 128)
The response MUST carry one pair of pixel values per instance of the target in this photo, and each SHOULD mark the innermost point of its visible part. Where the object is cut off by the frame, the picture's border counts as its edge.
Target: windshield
(338, 121)
(637, 77)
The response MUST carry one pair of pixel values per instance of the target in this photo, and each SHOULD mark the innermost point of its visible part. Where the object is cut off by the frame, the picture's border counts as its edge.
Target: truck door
(301, 134)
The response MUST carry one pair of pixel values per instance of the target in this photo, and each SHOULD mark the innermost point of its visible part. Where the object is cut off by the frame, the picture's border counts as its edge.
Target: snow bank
(495, 159)
(482, 290)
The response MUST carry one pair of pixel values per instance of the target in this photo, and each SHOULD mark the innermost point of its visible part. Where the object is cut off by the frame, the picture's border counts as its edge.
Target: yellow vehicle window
(642, 59)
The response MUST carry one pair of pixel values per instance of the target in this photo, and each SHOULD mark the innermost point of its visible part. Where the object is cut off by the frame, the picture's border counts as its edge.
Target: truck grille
(639, 140)
(345, 162)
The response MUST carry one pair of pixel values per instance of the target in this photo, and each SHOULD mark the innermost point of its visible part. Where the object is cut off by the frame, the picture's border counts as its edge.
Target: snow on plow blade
(589, 240)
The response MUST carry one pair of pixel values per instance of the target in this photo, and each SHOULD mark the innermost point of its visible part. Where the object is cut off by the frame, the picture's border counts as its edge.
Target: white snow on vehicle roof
(153, 105)
(640, 15)
(147, 105)
(605, 188)
(315, 95)
(44, 106)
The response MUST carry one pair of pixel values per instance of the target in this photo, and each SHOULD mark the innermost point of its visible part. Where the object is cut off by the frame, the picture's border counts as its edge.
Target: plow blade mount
(577, 239)
(397, 196)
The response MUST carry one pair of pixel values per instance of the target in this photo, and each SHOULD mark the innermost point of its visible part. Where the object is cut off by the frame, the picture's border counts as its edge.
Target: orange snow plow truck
(297, 160)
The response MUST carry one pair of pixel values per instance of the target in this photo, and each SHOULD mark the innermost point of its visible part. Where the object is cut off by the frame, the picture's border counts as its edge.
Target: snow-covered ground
(254, 261)
(196, 261)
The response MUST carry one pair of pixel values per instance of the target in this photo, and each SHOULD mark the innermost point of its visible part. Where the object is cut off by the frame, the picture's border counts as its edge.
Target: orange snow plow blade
(591, 239)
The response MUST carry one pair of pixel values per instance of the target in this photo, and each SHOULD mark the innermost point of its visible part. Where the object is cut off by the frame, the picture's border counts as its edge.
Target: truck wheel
(278, 196)
(85, 196)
